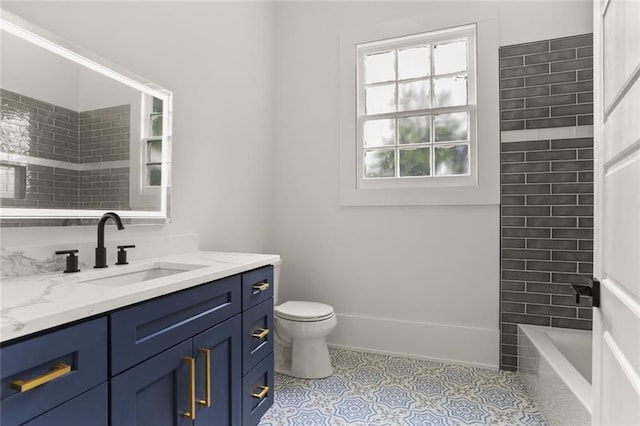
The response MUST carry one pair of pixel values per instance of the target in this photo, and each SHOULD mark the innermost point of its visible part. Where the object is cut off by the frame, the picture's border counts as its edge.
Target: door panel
(224, 343)
(617, 389)
(155, 392)
(621, 58)
(622, 242)
(623, 127)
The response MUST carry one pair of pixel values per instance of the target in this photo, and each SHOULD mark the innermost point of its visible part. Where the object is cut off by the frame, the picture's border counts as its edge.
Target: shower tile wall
(44, 131)
(104, 136)
(546, 186)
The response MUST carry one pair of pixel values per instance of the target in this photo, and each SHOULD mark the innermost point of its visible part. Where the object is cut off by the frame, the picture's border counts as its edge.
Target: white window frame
(465, 33)
(147, 108)
(486, 190)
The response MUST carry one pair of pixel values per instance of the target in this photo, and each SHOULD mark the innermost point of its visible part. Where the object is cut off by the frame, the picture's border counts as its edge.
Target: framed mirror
(78, 136)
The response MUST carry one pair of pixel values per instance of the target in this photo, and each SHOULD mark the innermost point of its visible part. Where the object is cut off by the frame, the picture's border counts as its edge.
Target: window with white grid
(416, 110)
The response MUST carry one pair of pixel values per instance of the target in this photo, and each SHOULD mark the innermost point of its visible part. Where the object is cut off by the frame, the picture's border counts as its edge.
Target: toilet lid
(303, 311)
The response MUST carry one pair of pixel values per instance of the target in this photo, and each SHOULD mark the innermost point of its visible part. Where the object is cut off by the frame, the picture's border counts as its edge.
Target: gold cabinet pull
(261, 287)
(191, 414)
(58, 370)
(261, 333)
(262, 393)
(207, 378)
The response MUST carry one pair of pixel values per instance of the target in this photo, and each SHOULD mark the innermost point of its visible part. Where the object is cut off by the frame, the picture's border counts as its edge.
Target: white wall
(415, 280)
(31, 70)
(526, 21)
(217, 59)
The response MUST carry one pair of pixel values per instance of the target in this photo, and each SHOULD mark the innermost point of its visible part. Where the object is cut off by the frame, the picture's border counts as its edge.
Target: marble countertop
(38, 302)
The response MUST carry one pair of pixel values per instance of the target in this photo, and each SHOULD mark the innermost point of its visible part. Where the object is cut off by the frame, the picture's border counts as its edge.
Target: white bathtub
(555, 365)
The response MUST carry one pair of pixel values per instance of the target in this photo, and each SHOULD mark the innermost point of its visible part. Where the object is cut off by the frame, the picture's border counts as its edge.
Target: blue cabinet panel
(156, 392)
(87, 409)
(253, 289)
(253, 383)
(141, 331)
(257, 334)
(82, 347)
(225, 379)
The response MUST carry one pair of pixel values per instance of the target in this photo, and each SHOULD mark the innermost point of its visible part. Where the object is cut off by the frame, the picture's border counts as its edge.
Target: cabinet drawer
(82, 347)
(256, 399)
(142, 331)
(257, 334)
(257, 286)
(87, 409)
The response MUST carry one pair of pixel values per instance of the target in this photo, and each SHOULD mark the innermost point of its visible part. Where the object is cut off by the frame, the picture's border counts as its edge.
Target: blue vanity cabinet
(195, 383)
(44, 375)
(257, 344)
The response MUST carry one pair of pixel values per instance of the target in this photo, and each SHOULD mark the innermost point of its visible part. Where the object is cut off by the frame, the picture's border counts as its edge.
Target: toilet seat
(303, 311)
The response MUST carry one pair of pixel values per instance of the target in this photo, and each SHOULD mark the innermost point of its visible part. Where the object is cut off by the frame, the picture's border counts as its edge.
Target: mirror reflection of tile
(54, 157)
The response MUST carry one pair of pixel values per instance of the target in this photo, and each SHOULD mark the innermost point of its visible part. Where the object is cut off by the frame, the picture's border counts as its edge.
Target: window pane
(156, 124)
(154, 151)
(414, 129)
(154, 175)
(157, 105)
(379, 163)
(413, 63)
(381, 99)
(451, 127)
(379, 132)
(453, 160)
(450, 57)
(414, 95)
(415, 162)
(450, 91)
(379, 67)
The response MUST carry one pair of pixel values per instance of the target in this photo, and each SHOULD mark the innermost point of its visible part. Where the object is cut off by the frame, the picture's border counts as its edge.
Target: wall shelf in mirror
(78, 134)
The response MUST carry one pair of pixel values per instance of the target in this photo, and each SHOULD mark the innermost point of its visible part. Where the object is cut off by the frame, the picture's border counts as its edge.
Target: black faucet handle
(72, 260)
(122, 254)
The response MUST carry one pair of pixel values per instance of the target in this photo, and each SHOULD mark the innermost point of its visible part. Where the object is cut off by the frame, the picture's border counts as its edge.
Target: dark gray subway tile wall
(39, 129)
(547, 84)
(104, 134)
(546, 189)
(104, 189)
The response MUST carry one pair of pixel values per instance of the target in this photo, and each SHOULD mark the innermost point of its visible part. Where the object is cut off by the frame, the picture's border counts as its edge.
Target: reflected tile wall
(33, 128)
(37, 129)
(105, 134)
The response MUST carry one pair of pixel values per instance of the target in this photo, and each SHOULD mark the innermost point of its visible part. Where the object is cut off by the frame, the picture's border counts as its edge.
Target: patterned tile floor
(372, 389)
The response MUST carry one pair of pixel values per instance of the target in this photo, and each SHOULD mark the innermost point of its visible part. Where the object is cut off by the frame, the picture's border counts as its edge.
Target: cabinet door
(87, 409)
(222, 346)
(156, 392)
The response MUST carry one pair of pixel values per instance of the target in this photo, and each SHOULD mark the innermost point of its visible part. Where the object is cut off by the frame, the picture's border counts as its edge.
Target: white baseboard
(478, 347)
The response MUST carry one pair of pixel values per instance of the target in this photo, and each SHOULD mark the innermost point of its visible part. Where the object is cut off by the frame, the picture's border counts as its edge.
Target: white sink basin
(139, 273)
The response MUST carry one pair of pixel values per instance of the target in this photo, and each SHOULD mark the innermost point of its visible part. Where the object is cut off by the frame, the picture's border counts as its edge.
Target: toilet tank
(276, 279)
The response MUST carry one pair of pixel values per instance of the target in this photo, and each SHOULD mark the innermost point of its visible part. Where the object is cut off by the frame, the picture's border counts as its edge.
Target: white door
(616, 324)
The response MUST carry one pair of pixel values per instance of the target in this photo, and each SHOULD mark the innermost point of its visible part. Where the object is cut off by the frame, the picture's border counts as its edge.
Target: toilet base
(304, 359)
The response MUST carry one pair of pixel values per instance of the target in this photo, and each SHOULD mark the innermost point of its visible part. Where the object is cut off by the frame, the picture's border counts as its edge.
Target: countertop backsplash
(32, 260)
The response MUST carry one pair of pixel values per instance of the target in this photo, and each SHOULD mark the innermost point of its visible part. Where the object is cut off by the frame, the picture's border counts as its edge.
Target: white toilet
(301, 329)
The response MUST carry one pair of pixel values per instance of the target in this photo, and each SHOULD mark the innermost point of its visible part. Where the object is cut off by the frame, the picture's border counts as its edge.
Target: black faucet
(101, 251)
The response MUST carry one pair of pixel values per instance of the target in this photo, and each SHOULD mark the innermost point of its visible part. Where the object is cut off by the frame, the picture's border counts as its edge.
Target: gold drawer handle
(262, 393)
(261, 334)
(261, 287)
(58, 370)
(207, 378)
(191, 414)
